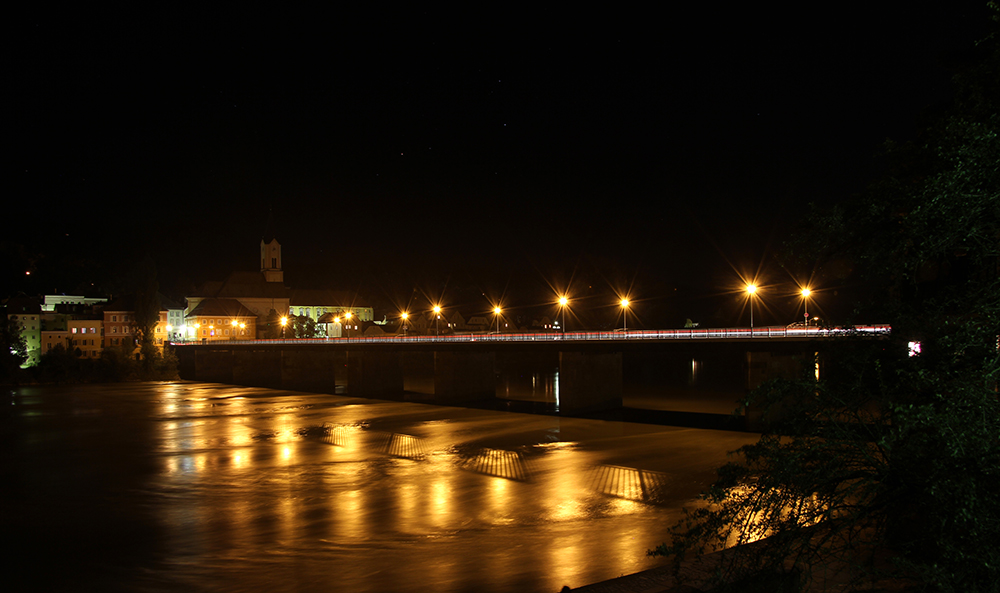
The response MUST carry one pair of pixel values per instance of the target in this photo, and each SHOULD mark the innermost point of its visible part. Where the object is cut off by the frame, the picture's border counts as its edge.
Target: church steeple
(270, 261)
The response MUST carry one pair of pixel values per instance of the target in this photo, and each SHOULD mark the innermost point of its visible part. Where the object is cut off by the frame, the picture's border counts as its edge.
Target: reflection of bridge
(463, 365)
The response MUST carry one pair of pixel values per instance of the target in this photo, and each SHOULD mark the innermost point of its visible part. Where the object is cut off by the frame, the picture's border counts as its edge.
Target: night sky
(464, 155)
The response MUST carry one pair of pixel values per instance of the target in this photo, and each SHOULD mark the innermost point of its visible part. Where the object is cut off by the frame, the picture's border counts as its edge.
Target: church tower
(270, 261)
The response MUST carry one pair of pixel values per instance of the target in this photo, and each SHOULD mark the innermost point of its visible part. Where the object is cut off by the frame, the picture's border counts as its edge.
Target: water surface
(196, 486)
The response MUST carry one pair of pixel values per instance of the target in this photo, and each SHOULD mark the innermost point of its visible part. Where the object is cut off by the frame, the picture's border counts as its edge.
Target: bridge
(463, 365)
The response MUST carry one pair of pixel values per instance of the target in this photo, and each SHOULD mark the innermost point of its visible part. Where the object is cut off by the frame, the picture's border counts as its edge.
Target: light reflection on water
(247, 488)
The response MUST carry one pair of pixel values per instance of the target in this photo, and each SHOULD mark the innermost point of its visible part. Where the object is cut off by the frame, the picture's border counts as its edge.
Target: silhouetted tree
(13, 349)
(889, 451)
(147, 311)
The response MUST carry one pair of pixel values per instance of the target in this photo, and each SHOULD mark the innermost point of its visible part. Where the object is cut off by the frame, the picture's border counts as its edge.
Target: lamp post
(437, 317)
(496, 313)
(404, 316)
(805, 292)
(284, 322)
(624, 304)
(563, 301)
(751, 291)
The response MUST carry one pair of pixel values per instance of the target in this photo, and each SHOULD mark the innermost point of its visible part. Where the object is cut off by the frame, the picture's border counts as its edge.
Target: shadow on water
(661, 390)
(672, 418)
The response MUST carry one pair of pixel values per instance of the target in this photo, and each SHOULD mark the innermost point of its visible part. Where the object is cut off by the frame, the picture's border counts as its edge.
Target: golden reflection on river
(273, 476)
(255, 489)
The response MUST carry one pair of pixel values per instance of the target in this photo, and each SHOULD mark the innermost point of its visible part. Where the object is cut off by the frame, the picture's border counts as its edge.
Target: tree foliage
(273, 328)
(889, 454)
(13, 348)
(147, 308)
(305, 327)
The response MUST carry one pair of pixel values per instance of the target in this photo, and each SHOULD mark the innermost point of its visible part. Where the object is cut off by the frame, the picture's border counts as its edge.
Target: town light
(404, 316)
(805, 292)
(563, 301)
(496, 313)
(624, 304)
(437, 317)
(751, 291)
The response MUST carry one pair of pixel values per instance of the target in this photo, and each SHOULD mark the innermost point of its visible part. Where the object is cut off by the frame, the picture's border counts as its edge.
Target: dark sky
(467, 153)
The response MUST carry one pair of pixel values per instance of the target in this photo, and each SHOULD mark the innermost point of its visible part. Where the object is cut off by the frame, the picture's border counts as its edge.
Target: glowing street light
(624, 304)
(496, 313)
(437, 316)
(563, 301)
(805, 292)
(284, 322)
(751, 291)
(403, 317)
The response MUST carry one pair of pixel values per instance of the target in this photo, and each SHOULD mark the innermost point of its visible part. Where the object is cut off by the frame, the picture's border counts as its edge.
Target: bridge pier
(308, 370)
(762, 366)
(464, 375)
(259, 368)
(374, 374)
(589, 381)
(214, 366)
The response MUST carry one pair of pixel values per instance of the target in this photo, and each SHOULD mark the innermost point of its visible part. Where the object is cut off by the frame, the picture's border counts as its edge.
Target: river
(184, 486)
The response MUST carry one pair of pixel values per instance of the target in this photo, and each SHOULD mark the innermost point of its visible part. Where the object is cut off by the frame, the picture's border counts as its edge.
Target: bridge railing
(584, 336)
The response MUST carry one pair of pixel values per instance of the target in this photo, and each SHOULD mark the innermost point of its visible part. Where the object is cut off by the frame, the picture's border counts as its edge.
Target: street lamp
(624, 304)
(805, 292)
(284, 322)
(563, 301)
(751, 291)
(496, 313)
(404, 316)
(437, 316)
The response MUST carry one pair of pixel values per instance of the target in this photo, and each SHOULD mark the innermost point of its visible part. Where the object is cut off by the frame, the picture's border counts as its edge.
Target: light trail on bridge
(731, 333)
